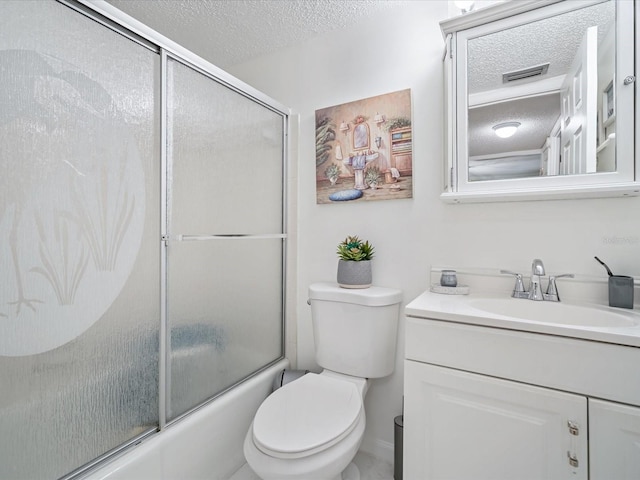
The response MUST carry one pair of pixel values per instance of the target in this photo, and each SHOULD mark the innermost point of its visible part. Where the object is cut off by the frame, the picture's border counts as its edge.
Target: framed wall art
(364, 150)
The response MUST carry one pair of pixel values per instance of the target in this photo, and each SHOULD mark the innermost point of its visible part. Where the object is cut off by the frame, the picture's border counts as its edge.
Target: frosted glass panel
(225, 310)
(79, 250)
(225, 154)
(224, 296)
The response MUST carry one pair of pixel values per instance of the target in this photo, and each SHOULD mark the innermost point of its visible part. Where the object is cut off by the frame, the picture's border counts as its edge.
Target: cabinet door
(461, 426)
(614, 445)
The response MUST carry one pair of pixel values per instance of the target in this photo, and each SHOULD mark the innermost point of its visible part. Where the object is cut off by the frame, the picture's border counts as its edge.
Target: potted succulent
(372, 177)
(354, 264)
(332, 172)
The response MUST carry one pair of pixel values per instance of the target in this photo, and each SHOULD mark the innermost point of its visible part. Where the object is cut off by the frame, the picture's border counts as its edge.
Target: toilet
(312, 427)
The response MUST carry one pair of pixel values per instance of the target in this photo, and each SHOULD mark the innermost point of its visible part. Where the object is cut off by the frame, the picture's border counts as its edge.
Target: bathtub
(204, 445)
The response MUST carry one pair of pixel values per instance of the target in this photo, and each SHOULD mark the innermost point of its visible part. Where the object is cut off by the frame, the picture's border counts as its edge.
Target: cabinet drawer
(590, 368)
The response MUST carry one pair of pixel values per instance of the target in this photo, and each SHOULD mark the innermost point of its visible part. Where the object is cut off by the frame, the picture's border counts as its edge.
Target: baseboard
(379, 449)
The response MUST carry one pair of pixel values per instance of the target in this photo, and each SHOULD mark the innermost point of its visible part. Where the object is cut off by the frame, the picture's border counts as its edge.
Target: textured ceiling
(229, 32)
(553, 40)
(537, 116)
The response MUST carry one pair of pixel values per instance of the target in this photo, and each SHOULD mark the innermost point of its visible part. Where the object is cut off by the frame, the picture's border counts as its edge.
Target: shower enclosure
(143, 224)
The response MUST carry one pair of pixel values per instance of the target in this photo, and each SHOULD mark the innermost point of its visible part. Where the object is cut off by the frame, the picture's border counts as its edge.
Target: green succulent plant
(332, 171)
(372, 175)
(398, 122)
(325, 134)
(355, 250)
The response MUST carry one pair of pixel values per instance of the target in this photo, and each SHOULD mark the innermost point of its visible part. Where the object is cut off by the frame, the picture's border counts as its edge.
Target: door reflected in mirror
(554, 78)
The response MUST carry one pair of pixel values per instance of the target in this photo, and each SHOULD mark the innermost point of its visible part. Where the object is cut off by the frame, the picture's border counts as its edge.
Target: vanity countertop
(575, 320)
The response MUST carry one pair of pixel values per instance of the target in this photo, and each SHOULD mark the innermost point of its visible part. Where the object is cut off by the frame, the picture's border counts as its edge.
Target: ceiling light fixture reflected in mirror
(506, 130)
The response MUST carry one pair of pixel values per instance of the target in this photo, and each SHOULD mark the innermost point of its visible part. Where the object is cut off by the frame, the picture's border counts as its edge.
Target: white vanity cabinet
(460, 425)
(484, 401)
(614, 443)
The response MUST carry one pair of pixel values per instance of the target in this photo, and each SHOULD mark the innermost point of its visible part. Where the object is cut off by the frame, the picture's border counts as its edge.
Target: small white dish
(458, 290)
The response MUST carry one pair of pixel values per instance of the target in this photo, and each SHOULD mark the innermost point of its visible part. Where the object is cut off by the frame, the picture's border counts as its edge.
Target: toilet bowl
(312, 427)
(309, 429)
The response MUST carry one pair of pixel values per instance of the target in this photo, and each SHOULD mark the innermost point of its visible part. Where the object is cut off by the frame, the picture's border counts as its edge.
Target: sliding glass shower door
(142, 236)
(79, 250)
(225, 236)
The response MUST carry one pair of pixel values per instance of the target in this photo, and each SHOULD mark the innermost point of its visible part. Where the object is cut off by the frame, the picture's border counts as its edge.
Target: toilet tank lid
(372, 296)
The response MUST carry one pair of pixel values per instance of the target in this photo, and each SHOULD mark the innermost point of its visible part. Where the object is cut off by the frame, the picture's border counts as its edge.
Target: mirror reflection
(541, 98)
(361, 136)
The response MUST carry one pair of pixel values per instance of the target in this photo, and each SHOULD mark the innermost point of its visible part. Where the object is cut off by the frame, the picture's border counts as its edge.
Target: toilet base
(351, 472)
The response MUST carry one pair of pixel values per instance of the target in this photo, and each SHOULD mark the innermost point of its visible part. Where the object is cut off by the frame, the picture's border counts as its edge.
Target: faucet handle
(552, 288)
(519, 286)
(568, 275)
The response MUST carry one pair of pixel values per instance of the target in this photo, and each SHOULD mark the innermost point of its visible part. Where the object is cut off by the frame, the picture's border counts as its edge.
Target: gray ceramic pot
(354, 274)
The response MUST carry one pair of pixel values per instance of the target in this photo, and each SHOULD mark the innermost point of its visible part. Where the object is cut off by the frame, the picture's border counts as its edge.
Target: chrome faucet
(537, 271)
(535, 284)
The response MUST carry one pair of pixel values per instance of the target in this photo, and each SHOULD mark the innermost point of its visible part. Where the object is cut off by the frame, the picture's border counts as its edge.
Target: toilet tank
(355, 330)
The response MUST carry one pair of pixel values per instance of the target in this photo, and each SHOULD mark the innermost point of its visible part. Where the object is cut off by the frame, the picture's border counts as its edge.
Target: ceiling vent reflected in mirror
(525, 73)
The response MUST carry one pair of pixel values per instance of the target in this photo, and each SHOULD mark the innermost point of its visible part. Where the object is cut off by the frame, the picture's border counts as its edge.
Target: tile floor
(371, 468)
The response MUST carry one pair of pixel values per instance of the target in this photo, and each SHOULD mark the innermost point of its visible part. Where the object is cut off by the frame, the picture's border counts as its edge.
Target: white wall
(385, 54)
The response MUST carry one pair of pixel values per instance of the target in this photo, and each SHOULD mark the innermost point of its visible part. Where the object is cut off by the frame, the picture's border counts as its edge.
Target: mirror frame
(457, 189)
(364, 136)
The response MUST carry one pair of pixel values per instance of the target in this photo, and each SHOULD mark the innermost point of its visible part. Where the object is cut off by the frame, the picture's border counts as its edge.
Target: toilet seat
(307, 416)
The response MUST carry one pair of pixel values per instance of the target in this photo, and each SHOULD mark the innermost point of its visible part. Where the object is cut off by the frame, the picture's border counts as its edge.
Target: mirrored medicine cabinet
(540, 101)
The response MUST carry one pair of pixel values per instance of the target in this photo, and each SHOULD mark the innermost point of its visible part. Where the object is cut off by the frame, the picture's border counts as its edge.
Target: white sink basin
(557, 313)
